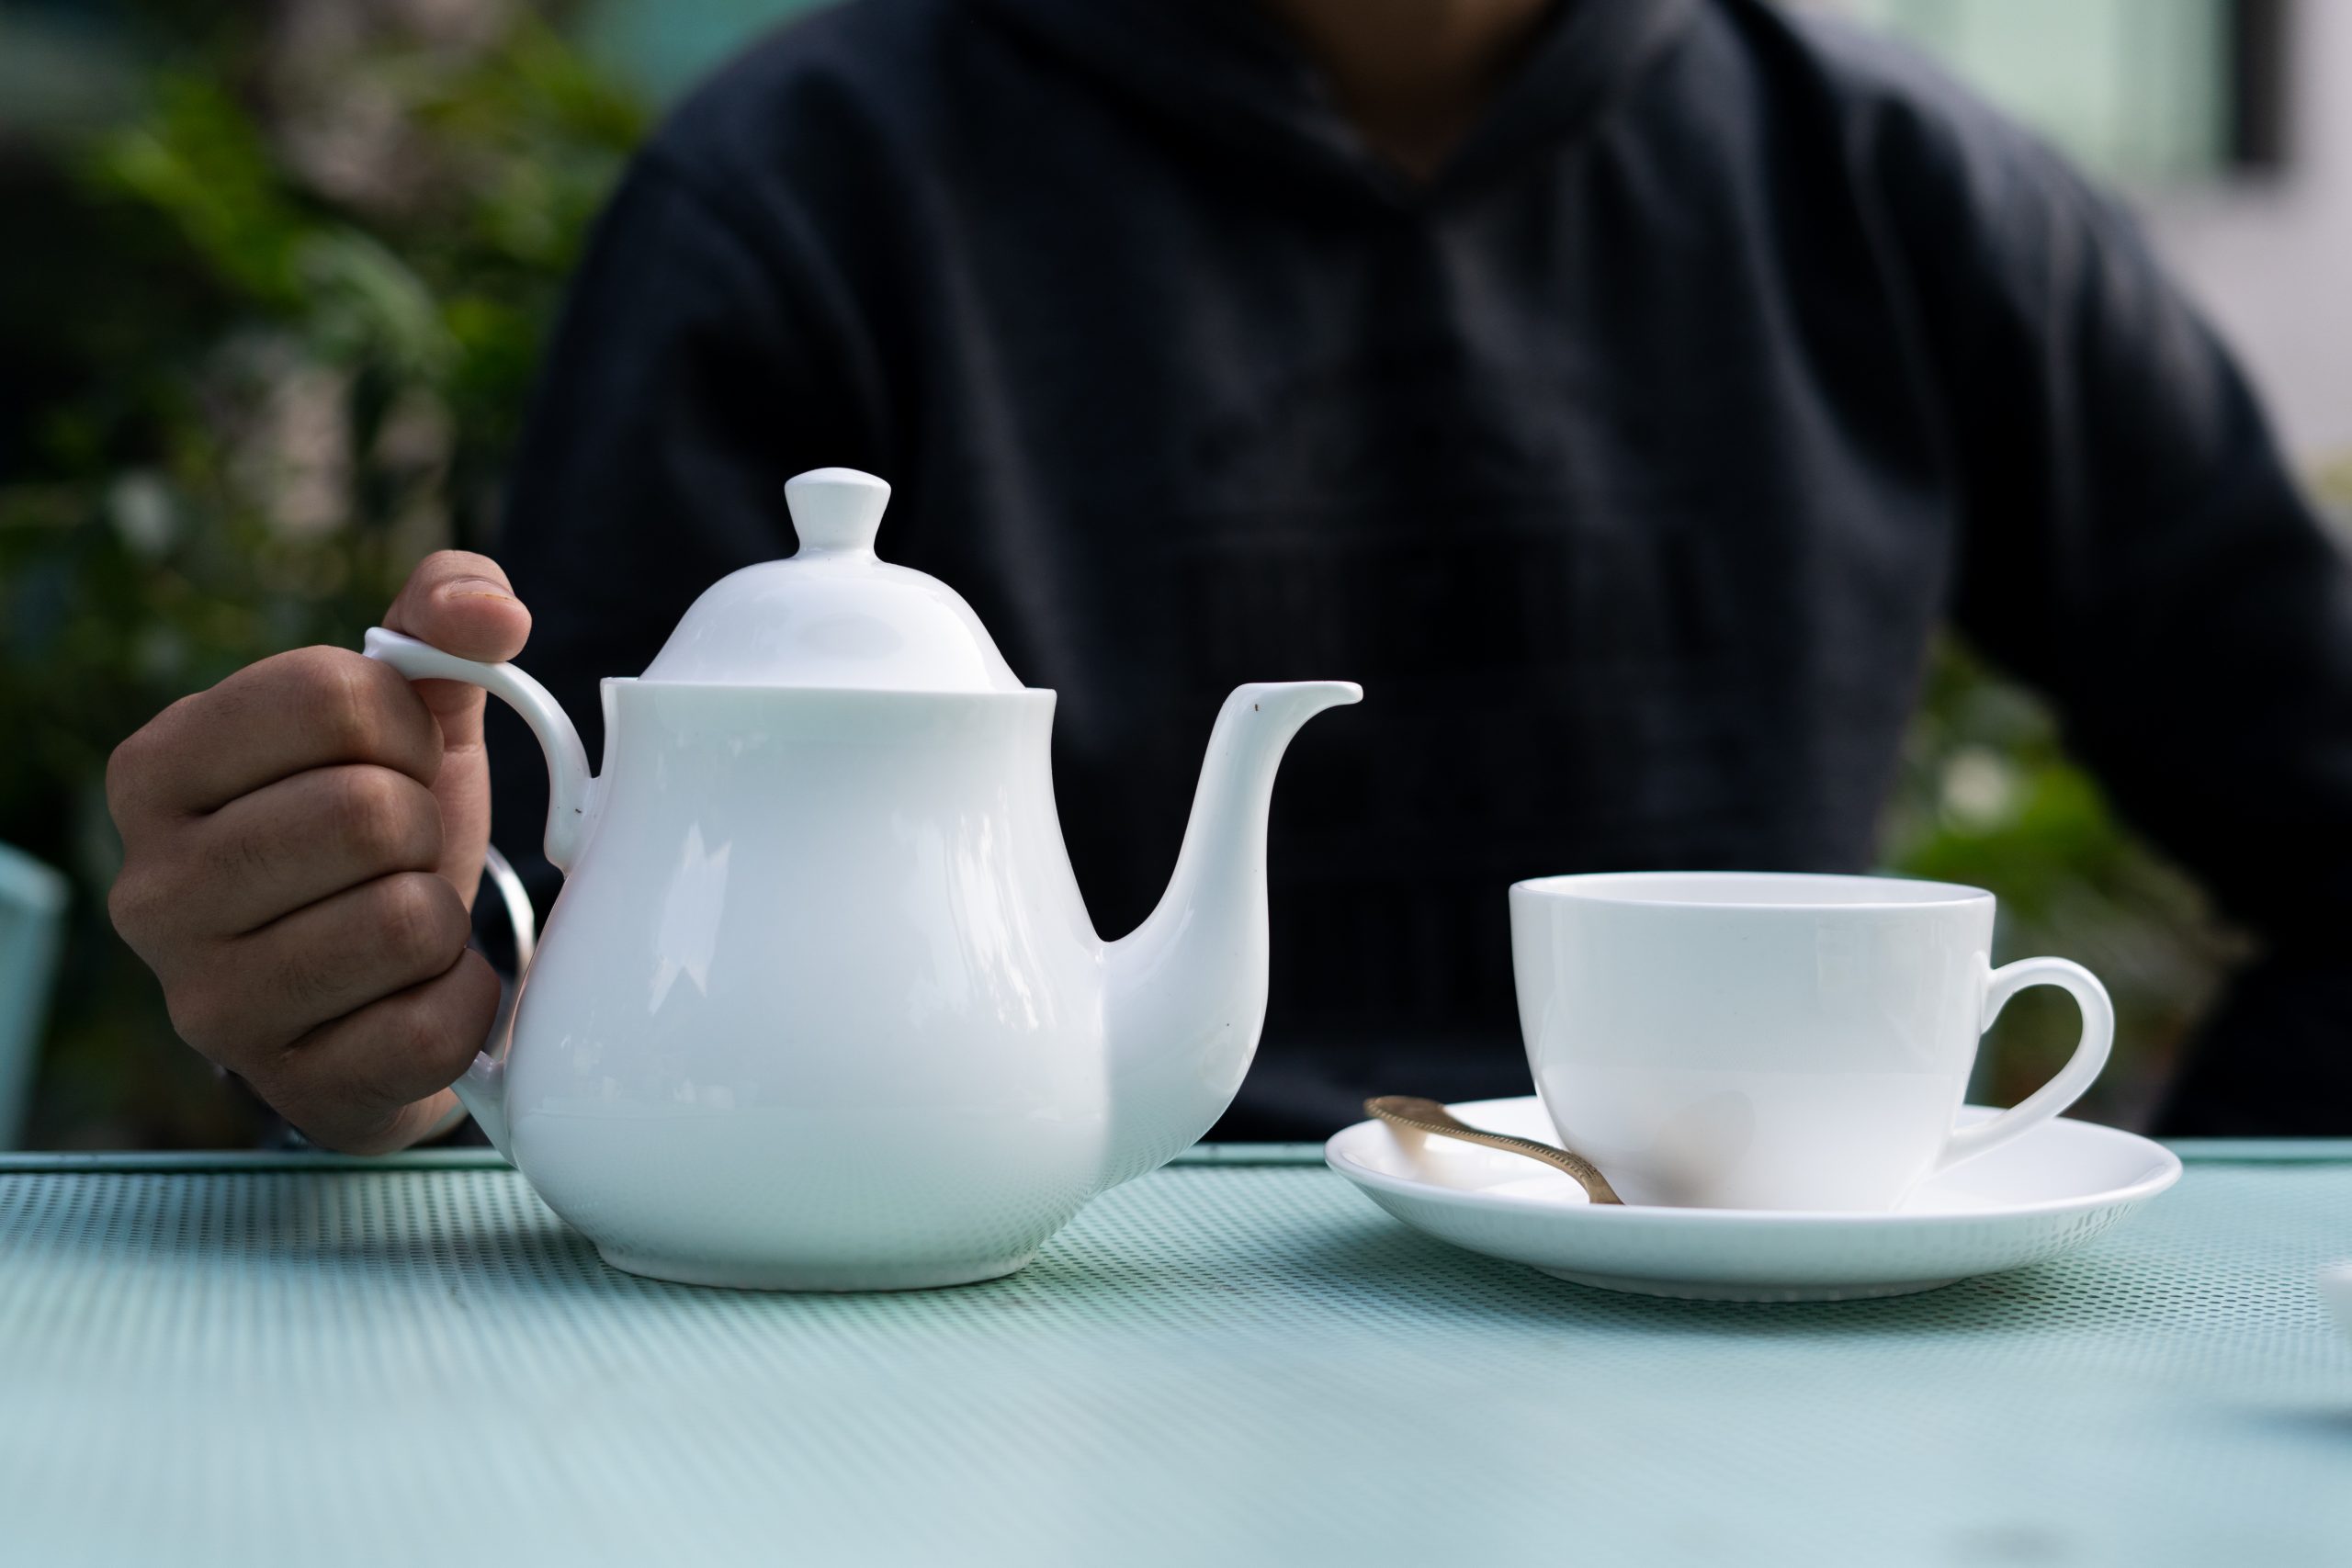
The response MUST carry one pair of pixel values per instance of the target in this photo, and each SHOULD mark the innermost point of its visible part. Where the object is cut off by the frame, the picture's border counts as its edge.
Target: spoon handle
(1429, 1116)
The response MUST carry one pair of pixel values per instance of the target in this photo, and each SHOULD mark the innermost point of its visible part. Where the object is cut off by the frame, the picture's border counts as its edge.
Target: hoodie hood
(1227, 71)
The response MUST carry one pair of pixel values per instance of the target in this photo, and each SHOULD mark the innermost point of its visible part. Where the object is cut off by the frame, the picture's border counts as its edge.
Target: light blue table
(311, 1360)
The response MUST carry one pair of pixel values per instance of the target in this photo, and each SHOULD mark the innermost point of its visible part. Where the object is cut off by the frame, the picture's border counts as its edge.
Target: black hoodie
(1631, 463)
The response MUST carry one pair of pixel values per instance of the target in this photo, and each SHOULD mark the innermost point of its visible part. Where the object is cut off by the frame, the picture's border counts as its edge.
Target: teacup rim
(1597, 887)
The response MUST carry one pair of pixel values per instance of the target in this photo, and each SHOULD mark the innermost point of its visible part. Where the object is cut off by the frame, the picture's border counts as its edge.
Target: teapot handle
(570, 796)
(481, 1088)
(570, 789)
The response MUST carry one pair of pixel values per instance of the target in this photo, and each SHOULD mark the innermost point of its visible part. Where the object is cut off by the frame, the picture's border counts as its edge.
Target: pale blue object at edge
(32, 923)
(261, 1360)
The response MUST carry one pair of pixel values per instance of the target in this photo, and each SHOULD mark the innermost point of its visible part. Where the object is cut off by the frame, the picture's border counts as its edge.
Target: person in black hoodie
(1625, 392)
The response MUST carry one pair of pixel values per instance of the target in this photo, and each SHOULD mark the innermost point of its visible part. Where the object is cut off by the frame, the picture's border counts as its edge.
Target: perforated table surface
(1238, 1359)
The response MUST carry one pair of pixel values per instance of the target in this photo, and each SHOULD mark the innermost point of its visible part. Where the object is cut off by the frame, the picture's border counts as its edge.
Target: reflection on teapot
(820, 1006)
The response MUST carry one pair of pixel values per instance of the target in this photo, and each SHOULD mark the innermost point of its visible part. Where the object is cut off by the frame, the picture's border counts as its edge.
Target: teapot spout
(1187, 989)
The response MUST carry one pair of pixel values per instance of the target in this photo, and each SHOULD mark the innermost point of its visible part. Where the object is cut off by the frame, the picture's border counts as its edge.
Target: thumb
(462, 603)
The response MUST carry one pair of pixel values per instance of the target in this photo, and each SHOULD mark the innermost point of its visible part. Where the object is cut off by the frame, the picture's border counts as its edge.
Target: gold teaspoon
(1429, 1116)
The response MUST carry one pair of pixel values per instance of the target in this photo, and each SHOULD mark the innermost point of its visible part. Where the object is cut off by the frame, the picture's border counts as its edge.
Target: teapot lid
(832, 614)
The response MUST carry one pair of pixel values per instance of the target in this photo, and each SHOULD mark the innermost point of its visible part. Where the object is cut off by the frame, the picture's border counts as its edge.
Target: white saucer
(2053, 1189)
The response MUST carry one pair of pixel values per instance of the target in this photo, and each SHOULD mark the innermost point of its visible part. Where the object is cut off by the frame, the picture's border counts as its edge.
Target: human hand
(301, 846)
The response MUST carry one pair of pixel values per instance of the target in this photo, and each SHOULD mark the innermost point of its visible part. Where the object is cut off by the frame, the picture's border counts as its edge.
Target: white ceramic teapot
(820, 1006)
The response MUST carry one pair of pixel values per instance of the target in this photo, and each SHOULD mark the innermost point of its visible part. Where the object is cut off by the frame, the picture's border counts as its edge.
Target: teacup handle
(2081, 1069)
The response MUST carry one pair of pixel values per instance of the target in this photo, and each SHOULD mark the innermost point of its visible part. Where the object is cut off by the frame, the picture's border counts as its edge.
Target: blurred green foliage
(274, 343)
(282, 330)
(1988, 797)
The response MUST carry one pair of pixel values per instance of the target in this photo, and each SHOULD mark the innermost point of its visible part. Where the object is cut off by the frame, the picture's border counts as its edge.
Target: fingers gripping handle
(570, 787)
(2080, 1071)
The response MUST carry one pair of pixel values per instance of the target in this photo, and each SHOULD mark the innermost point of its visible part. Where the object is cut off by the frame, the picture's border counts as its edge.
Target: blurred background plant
(293, 267)
(1988, 797)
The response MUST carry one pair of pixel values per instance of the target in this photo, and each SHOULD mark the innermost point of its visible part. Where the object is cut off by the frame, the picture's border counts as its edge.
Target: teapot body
(820, 1006)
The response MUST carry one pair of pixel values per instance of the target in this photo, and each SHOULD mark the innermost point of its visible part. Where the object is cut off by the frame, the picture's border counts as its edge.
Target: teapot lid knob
(836, 512)
(835, 616)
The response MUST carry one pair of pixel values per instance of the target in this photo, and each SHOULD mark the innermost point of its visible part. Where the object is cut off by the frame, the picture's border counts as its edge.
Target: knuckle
(423, 921)
(383, 1071)
(130, 905)
(337, 698)
(148, 911)
(461, 1018)
(433, 1043)
(390, 1057)
(437, 1030)
(202, 1016)
(126, 766)
(380, 814)
(142, 757)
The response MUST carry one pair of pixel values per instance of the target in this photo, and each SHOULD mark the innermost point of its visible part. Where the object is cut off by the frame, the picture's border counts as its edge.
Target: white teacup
(1739, 1040)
